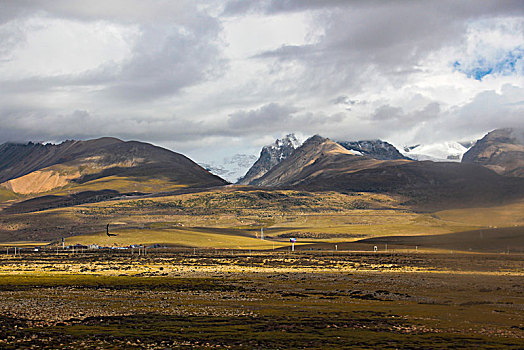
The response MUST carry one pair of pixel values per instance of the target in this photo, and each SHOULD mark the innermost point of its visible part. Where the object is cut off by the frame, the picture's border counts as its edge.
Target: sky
(215, 79)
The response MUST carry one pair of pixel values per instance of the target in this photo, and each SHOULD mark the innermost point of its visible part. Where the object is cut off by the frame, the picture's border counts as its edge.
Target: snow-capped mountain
(270, 156)
(377, 149)
(437, 152)
(231, 168)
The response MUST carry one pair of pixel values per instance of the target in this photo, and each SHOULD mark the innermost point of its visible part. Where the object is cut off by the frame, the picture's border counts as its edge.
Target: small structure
(292, 240)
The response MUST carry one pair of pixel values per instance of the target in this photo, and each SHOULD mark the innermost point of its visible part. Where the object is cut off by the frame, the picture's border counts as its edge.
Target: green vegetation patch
(28, 282)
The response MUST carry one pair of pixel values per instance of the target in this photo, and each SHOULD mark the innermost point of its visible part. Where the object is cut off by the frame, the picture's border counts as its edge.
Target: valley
(125, 245)
(233, 217)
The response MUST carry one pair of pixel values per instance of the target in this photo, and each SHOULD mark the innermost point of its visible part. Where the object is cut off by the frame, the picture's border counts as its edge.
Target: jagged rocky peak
(270, 156)
(501, 150)
(289, 142)
(377, 149)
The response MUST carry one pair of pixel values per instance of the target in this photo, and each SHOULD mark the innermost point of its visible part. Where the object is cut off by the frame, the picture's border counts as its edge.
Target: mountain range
(321, 164)
(491, 171)
(437, 152)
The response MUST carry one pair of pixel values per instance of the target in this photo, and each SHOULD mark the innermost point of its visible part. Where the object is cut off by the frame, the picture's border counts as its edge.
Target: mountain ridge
(36, 168)
(321, 164)
(376, 149)
(501, 150)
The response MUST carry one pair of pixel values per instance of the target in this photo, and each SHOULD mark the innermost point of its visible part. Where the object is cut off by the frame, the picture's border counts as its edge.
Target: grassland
(190, 237)
(233, 217)
(270, 300)
(504, 215)
(220, 286)
(123, 184)
(6, 194)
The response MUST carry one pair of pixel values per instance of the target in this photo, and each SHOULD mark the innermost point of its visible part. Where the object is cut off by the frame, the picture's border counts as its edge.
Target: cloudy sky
(214, 78)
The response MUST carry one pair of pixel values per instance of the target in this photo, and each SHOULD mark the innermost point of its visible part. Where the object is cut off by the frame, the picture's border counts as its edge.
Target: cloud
(163, 63)
(161, 57)
(344, 100)
(270, 116)
(493, 48)
(274, 118)
(487, 111)
(200, 75)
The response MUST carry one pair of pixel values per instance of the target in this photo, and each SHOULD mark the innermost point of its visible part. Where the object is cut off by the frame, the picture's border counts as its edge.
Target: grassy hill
(101, 164)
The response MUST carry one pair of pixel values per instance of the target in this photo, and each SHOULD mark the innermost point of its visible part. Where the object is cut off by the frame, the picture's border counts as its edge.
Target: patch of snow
(355, 152)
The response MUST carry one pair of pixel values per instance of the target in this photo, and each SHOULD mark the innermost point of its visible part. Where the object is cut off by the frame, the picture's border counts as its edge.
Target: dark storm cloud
(237, 7)
(274, 118)
(124, 11)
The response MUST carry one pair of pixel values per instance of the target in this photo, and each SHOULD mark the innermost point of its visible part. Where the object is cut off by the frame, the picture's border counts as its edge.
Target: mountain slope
(323, 165)
(270, 156)
(18, 159)
(501, 150)
(105, 163)
(316, 154)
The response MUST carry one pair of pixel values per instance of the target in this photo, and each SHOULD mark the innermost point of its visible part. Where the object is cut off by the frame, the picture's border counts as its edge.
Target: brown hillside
(501, 150)
(37, 168)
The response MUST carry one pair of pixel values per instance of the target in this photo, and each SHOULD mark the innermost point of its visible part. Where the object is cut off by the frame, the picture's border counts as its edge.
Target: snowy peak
(437, 152)
(376, 149)
(290, 141)
(270, 156)
(315, 154)
(231, 168)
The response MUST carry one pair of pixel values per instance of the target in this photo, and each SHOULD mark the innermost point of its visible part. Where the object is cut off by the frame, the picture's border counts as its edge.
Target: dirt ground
(263, 300)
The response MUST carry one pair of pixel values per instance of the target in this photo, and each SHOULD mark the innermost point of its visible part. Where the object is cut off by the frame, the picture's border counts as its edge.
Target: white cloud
(62, 47)
(232, 77)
